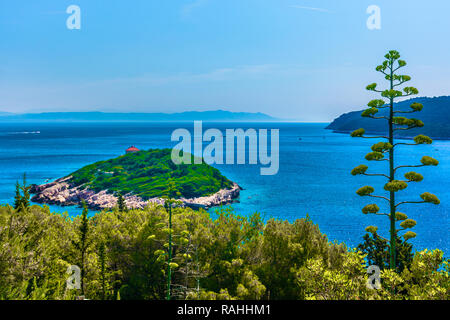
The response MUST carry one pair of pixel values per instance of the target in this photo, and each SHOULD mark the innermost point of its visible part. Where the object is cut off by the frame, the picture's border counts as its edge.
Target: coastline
(61, 192)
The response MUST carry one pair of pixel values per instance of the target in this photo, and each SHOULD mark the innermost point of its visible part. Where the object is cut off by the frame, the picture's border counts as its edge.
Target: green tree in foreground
(121, 204)
(377, 250)
(384, 151)
(102, 262)
(22, 195)
(82, 244)
(236, 257)
(18, 197)
(171, 194)
(26, 192)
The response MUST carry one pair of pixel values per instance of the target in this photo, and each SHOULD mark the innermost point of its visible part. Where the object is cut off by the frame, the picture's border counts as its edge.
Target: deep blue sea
(314, 176)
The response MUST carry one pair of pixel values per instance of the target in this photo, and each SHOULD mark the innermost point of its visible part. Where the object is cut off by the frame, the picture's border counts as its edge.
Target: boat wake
(25, 132)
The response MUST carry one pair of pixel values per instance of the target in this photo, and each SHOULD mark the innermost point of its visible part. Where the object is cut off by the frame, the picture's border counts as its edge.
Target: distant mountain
(435, 115)
(218, 115)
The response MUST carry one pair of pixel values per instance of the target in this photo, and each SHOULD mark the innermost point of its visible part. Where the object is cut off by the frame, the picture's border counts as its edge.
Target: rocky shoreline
(61, 192)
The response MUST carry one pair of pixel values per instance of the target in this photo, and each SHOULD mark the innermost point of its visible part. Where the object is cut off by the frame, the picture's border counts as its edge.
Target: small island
(142, 178)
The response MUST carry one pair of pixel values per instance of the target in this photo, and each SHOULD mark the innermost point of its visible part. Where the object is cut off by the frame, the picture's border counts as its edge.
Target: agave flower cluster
(384, 151)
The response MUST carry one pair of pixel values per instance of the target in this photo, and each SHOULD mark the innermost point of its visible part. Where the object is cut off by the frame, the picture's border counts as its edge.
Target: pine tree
(82, 244)
(171, 194)
(26, 192)
(395, 123)
(377, 250)
(121, 204)
(102, 261)
(22, 195)
(18, 197)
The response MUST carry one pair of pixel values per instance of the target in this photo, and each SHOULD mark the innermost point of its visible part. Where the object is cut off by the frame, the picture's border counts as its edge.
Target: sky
(292, 59)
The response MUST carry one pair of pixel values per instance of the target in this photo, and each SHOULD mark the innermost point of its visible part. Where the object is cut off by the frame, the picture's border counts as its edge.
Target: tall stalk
(392, 171)
(395, 123)
(169, 267)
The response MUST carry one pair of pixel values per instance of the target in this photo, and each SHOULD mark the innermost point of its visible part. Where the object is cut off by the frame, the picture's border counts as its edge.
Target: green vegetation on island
(146, 173)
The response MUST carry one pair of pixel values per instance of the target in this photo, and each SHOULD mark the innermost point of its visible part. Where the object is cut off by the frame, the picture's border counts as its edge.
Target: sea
(313, 179)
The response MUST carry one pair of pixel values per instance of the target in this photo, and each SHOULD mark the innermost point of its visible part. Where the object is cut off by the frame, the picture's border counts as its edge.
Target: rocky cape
(435, 115)
(62, 192)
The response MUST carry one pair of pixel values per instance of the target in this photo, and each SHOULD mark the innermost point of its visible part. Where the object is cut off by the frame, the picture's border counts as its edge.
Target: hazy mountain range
(435, 115)
(218, 115)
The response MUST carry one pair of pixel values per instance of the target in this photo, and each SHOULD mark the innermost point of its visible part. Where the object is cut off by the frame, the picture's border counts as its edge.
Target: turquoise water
(314, 176)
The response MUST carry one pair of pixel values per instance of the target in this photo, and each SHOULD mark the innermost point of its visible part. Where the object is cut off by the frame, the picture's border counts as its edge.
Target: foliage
(22, 195)
(377, 251)
(35, 247)
(121, 203)
(82, 243)
(427, 278)
(145, 174)
(348, 281)
(229, 257)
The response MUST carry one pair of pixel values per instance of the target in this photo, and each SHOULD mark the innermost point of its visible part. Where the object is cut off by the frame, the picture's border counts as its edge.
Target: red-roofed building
(132, 149)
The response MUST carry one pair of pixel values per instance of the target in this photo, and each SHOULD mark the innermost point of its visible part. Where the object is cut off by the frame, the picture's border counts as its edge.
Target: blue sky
(294, 59)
